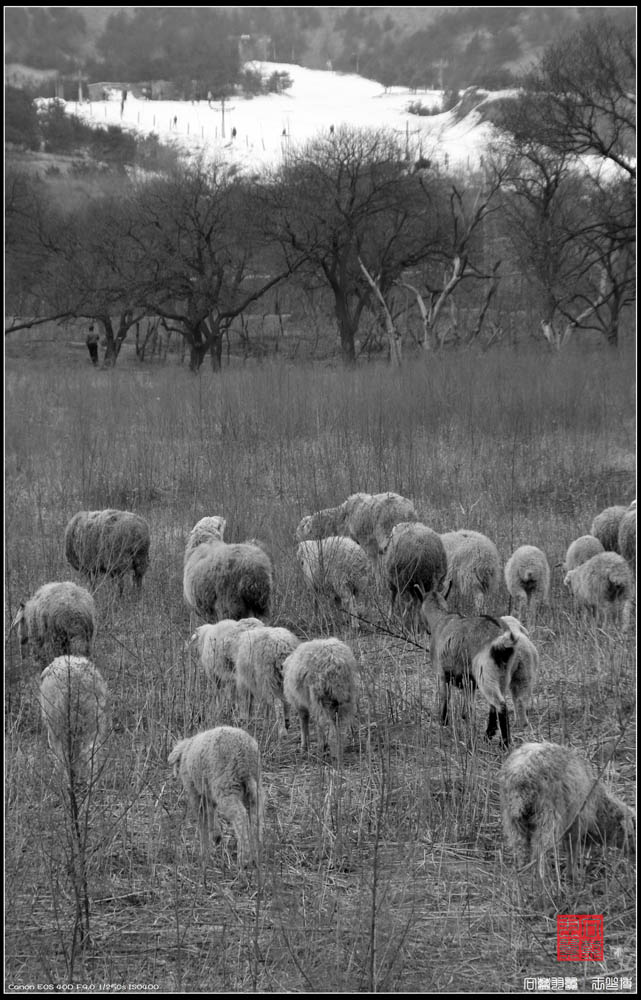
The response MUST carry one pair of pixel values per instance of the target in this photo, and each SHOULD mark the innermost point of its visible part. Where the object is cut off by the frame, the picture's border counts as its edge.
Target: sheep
(495, 655)
(339, 567)
(220, 772)
(366, 518)
(627, 540)
(604, 586)
(580, 550)
(217, 647)
(605, 527)
(320, 679)
(550, 794)
(74, 700)
(108, 543)
(473, 567)
(527, 577)
(260, 654)
(414, 563)
(222, 580)
(53, 619)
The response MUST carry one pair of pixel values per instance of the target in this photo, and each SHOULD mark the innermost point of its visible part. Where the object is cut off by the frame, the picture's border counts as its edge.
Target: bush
(20, 119)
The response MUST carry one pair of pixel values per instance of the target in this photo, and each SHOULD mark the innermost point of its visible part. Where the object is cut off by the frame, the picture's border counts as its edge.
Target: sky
(267, 126)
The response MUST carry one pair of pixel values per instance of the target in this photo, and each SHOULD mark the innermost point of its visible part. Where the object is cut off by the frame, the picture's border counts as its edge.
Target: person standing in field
(92, 344)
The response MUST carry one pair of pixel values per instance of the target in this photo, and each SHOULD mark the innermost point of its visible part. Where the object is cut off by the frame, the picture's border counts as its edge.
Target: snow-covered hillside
(266, 127)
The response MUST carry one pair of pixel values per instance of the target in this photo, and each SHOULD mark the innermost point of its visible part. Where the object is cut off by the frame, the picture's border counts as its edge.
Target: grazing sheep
(319, 679)
(550, 794)
(364, 517)
(604, 585)
(260, 654)
(108, 543)
(473, 567)
(414, 564)
(74, 704)
(495, 655)
(56, 615)
(221, 774)
(580, 550)
(217, 647)
(338, 567)
(605, 527)
(527, 577)
(628, 536)
(223, 580)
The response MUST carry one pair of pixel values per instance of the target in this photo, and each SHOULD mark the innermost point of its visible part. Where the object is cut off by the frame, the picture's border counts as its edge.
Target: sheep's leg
(504, 725)
(625, 616)
(236, 814)
(303, 715)
(531, 610)
(282, 716)
(445, 698)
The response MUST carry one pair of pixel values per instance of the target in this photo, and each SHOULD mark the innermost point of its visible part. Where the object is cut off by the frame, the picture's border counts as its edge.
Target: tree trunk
(346, 328)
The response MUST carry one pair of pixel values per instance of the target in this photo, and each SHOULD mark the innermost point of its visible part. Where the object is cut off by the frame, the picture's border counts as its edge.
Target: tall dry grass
(388, 874)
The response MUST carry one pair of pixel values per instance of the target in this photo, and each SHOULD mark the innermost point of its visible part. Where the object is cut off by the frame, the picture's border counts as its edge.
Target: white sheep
(494, 654)
(57, 617)
(414, 563)
(527, 578)
(473, 568)
(259, 657)
(339, 567)
(320, 679)
(74, 702)
(605, 527)
(366, 518)
(217, 647)
(220, 771)
(628, 536)
(108, 543)
(603, 586)
(222, 580)
(580, 550)
(550, 795)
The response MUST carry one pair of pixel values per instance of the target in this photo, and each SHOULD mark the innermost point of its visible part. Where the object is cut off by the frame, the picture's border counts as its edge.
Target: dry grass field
(388, 873)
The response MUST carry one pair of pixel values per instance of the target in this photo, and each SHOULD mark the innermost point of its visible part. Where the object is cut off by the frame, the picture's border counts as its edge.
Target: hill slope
(268, 126)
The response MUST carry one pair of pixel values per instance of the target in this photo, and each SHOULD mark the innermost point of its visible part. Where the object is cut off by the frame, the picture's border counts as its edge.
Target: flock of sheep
(548, 793)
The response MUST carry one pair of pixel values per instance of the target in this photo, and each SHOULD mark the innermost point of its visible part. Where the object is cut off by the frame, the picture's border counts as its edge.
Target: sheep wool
(628, 536)
(108, 543)
(549, 795)
(473, 568)
(74, 703)
(320, 680)
(59, 616)
(338, 567)
(259, 657)
(527, 578)
(604, 587)
(605, 527)
(366, 518)
(222, 580)
(580, 550)
(217, 646)
(414, 563)
(220, 771)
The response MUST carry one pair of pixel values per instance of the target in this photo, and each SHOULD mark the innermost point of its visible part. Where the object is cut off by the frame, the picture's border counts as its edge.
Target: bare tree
(203, 228)
(580, 99)
(346, 201)
(572, 232)
(460, 254)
